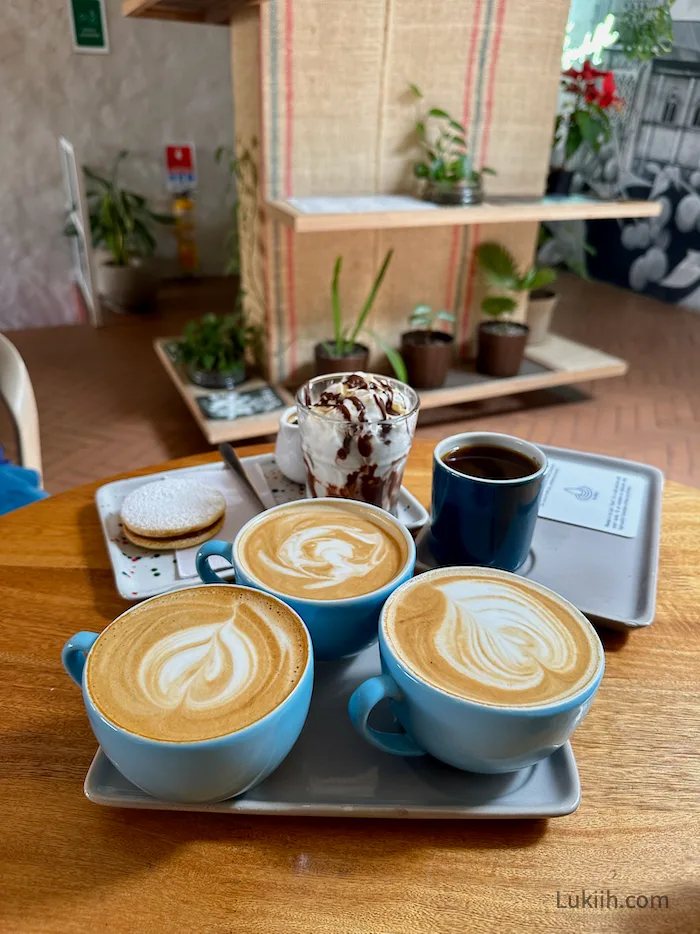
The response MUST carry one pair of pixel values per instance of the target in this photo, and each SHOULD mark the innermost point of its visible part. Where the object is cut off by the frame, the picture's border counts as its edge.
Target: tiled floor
(106, 405)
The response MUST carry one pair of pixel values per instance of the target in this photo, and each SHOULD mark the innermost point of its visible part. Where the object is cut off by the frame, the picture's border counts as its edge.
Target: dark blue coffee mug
(484, 522)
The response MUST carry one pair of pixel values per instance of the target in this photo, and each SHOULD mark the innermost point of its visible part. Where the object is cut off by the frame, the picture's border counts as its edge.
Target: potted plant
(213, 350)
(558, 244)
(540, 308)
(589, 95)
(343, 353)
(502, 343)
(121, 222)
(446, 168)
(427, 352)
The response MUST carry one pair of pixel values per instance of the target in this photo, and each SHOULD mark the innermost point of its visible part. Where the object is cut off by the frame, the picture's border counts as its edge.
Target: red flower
(590, 73)
(608, 96)
(587, 73)
(584, 83)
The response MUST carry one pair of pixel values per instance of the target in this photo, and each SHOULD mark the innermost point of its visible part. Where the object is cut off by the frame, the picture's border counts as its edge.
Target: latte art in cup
(318, 551)
(197, 664)
(487, 636)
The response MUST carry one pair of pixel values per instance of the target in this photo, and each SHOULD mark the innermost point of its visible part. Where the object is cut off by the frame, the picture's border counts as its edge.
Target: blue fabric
(19, 486)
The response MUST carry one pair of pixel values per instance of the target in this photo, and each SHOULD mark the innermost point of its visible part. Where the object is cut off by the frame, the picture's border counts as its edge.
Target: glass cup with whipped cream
(356, 434)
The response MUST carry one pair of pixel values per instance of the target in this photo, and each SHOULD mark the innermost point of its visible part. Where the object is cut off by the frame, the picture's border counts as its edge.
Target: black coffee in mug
(490, 462)
(486, 492)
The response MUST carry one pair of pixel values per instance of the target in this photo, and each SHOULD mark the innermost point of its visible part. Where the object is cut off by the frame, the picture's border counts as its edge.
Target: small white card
(601, 498)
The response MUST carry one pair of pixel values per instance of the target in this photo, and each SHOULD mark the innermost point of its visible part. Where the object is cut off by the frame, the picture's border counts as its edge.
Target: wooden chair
(16, 389)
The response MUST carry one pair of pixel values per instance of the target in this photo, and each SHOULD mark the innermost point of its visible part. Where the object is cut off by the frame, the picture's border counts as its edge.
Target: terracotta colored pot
(453, 193)
(357, 359)
(540, 308)
(501, 347)
(427, 355)
(559, 181)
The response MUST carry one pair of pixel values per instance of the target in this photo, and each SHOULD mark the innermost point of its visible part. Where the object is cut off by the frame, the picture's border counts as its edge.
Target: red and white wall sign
(181, 167)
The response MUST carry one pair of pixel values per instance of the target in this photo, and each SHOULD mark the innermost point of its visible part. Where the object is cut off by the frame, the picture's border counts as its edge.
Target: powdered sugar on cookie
(172, 507)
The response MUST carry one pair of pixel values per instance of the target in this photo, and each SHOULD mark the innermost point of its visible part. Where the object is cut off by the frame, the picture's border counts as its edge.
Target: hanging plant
(645, 32)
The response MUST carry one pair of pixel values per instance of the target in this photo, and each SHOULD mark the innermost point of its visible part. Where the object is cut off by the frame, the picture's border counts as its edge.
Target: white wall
(161, 82)
(688, 10)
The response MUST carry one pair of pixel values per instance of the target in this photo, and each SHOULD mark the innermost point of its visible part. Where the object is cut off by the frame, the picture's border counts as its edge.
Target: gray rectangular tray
(609, 578)
(331, 771)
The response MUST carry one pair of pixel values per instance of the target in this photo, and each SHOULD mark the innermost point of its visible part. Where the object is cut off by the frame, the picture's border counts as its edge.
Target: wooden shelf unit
(557, 361)
(214, 12)
(393, 212)
(216, 431)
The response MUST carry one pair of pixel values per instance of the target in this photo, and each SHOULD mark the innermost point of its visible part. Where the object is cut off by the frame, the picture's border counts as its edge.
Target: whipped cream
(361, 397)
(356, 433)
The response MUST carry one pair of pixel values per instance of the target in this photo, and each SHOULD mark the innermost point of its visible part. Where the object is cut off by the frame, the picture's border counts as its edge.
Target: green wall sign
(89, 26)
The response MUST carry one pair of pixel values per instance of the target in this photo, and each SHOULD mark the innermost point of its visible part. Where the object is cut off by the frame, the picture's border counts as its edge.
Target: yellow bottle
(187, 258)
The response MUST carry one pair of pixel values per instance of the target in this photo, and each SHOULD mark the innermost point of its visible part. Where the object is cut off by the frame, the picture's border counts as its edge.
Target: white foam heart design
(202, 667)
(499, 639)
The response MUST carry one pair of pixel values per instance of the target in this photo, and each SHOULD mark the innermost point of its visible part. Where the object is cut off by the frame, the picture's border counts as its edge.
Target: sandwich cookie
(172, 513)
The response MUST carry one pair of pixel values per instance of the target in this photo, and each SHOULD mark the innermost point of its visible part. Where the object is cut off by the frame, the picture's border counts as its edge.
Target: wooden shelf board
(215, 12)
(557, 361)
(385, 212)
(216, 431)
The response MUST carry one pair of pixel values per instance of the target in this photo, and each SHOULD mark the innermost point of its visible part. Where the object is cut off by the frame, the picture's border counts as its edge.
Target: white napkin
(239, 510)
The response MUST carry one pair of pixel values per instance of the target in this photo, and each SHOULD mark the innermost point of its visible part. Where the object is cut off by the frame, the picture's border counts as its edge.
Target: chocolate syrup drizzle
(334, 400)
(362, 483)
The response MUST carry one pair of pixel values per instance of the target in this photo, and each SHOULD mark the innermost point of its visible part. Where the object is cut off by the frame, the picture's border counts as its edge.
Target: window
(668, 115)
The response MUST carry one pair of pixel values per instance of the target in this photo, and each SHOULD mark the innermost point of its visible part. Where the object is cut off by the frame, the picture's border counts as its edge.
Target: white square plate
(139, 573)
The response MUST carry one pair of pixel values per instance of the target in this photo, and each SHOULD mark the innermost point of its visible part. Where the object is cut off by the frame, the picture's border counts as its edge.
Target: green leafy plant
(502, 275)
(120, 220)
(644, 31)
(215, 343)
(425, 318)
(242, 237)
(443, 140)
(345, 337)
(563, 243)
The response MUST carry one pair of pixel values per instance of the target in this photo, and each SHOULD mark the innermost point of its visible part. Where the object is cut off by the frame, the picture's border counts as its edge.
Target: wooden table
(69, 866)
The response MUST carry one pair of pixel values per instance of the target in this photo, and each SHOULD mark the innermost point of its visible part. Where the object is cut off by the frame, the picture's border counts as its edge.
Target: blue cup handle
(75, 653)
(362, 703)
(207, 551)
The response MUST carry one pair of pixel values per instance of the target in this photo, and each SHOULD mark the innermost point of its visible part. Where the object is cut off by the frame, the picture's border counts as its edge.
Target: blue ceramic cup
(194, 772)
(483, 522)
(338, 628)
(467, 734)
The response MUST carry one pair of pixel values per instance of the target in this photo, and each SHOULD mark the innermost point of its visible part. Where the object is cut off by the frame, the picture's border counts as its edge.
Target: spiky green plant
(345, 336)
